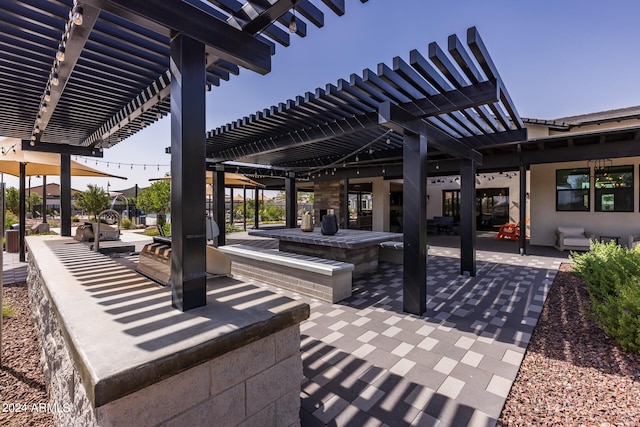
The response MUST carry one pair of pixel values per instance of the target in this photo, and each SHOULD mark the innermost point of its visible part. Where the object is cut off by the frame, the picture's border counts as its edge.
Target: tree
(94, 200)
(32, 201)
(156, 198)
(12, 200)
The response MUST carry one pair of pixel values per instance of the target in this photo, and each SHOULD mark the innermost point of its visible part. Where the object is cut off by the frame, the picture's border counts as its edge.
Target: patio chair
(510, 231)
(573, 238)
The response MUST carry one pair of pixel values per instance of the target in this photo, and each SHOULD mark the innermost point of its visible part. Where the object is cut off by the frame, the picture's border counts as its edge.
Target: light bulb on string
(293, 24)
(78, 19)
(60, 54)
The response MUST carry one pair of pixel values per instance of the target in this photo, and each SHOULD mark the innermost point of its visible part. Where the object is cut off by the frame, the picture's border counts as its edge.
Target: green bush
(126, 224)
(10, 219)
(612, 274)
(153, 231)
(230, 228)
(75, 218)
(7, 311)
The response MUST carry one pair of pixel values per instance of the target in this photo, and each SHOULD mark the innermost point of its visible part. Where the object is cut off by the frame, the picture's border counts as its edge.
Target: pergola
(80, 76)
(381, 123)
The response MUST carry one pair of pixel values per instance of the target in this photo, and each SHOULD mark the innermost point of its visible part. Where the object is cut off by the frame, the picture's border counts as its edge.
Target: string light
(292, 24)
(107, 163)
(78, 18)
(60, 53)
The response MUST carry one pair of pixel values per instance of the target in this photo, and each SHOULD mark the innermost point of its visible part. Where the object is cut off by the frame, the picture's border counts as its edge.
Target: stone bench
(324, 279)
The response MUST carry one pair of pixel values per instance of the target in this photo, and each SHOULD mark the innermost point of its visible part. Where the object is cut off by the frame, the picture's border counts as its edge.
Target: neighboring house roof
(564, 123)
(53, 190)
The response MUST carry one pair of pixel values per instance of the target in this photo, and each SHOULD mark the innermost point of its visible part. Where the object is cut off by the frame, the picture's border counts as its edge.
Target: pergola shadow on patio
(367, 361)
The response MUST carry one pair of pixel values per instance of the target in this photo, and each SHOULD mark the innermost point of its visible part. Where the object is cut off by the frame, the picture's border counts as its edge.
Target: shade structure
(230, 180)
(39, 163)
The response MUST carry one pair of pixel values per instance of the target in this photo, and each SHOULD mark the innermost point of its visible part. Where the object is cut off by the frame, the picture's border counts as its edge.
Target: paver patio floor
(366, 362)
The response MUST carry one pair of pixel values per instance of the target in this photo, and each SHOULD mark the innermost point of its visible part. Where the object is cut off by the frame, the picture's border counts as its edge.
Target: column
(22, 211)
(188, 172)
(219, 210)
(467, 216)
(44, 199)
(381, 204)
(256, 209)
(345, 204)
(414, 208)
(291, 201)
(65, 194)
(522, 242)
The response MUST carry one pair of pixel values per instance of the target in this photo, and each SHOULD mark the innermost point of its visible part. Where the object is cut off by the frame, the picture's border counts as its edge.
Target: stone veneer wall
(63, 381)
(328, 195)
(258, 384)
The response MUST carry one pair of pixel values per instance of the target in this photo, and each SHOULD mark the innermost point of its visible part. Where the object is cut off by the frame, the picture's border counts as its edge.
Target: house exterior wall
(545, 219)
(510, 180)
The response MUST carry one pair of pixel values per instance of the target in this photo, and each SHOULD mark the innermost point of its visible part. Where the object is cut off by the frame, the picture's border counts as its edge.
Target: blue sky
(557, 58)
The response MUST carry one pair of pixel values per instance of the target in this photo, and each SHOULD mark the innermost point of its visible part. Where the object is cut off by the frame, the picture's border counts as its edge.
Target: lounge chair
(510, 231)
(573, 238)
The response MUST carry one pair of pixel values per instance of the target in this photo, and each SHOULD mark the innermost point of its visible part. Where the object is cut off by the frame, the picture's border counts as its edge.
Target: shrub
(153, 231)
(126, 224)
(7, 311)
(612, 274)
(75, 218)
(230, 228)
(10, 219)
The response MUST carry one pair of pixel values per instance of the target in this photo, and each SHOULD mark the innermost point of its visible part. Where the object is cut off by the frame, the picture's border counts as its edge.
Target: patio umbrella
(39, 163)
(230, 180)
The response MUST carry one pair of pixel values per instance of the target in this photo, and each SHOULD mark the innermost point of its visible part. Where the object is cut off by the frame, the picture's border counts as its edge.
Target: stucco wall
(510, 180)
(545, 219)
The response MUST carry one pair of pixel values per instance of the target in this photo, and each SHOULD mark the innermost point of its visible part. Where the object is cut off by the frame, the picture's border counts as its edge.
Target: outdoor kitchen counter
(357, 247)
(115, 350)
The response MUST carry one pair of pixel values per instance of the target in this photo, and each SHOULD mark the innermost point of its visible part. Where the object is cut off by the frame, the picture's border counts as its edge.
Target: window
(613, 189)
(572, 189)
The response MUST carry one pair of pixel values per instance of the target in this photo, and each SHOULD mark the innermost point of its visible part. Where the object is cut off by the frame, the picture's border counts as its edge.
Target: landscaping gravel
(572, 373)
(23, 391)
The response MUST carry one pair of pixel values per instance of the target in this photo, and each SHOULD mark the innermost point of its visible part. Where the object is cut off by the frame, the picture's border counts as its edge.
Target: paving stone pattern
(366, 362)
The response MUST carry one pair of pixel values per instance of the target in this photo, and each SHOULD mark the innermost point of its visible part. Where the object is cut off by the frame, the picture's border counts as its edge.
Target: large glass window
(614, 189)
(572, 189)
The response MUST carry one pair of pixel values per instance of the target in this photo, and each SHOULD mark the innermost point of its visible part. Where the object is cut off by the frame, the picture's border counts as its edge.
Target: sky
(557, 58)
